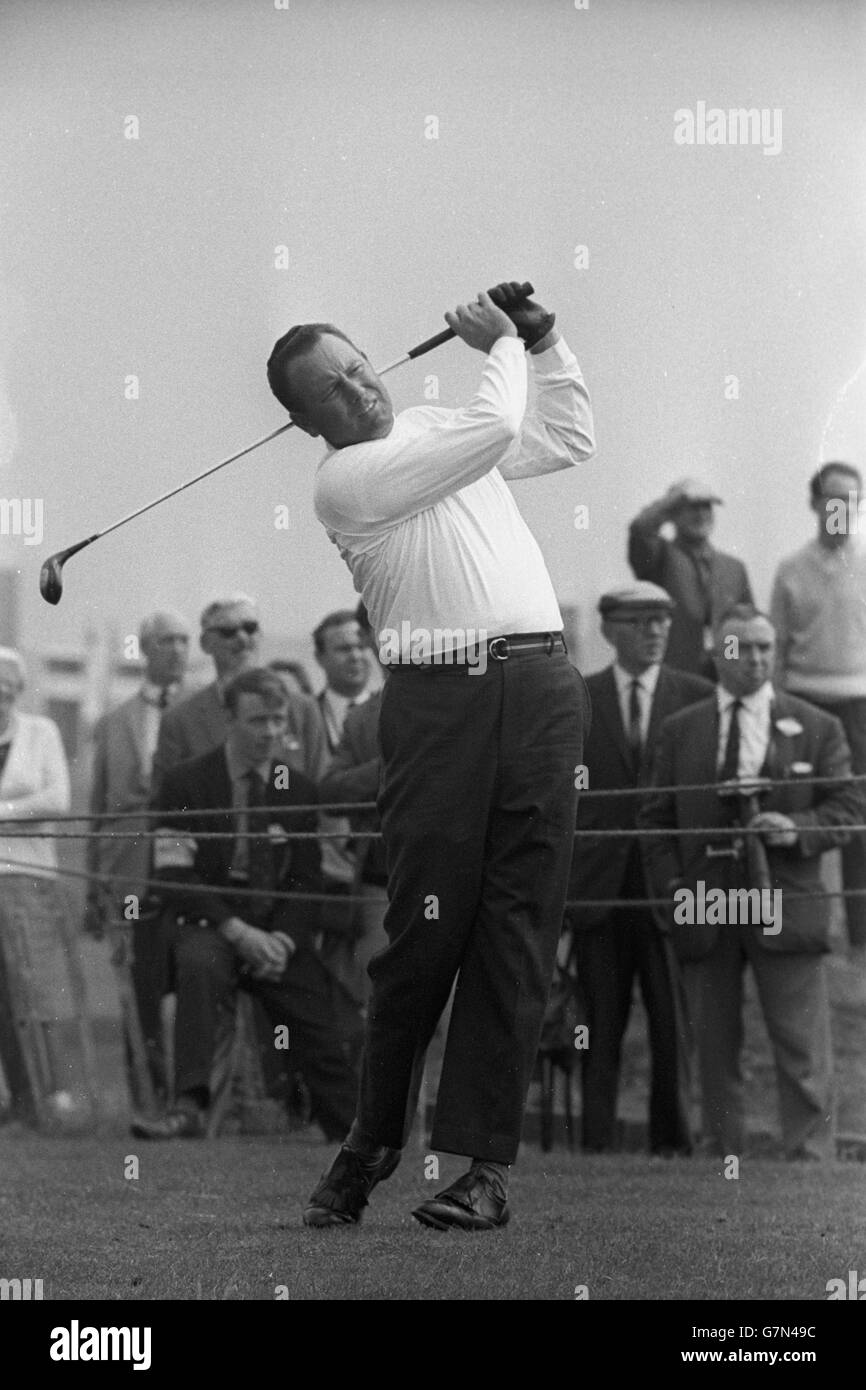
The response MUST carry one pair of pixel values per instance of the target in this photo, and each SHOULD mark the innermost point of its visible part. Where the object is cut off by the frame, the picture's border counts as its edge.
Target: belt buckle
(492, 648)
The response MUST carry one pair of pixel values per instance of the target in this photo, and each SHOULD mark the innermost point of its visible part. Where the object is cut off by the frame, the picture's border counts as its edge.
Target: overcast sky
(307, 128)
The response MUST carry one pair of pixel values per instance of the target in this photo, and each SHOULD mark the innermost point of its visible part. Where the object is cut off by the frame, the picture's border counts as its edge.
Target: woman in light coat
(34, 777)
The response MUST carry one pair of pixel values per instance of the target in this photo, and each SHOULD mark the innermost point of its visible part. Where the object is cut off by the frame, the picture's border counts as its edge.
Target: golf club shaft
(50, 576)
(265, 439)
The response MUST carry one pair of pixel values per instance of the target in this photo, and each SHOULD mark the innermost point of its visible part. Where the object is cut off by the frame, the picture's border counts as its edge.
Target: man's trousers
(207, 979)
(629, 944)
(852, 715)
(792, 988)
(477, 806)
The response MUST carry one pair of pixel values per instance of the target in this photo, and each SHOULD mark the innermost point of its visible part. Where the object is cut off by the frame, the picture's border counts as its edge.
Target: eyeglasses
(664, 620)
(229, 630)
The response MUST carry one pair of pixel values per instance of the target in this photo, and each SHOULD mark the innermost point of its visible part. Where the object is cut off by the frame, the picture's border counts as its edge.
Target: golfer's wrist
(551, 337)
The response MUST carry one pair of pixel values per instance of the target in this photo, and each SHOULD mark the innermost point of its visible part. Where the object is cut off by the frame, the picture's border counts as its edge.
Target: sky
(179, 183)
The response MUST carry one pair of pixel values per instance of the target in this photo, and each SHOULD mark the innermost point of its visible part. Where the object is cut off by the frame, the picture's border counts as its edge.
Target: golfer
(481, 730)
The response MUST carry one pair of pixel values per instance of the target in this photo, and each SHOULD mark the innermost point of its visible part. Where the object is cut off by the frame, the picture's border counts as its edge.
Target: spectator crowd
(718, 772)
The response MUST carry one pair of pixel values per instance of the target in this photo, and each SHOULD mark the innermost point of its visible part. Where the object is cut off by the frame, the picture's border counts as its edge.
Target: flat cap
(696, 490)
(639, 594)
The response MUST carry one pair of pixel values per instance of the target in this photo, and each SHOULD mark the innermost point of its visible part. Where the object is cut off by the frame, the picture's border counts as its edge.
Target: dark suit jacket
(204, 783)
(120, 782)
(669, 564)
(687, 754)
(598, 867)
(354, 776)
(199, 723)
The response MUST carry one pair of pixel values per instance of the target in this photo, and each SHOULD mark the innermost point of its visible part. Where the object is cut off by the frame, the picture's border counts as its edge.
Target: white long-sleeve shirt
(424, 518)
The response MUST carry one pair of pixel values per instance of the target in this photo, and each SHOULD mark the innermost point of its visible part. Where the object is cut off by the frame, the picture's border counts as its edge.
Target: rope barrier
(281, 896)
(346, 807)
(666, 832)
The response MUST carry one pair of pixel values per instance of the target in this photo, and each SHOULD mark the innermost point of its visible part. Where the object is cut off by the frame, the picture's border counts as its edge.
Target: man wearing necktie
(614, 946)
(263, 943)
(341, 651)
(125, 741)
(748, 729)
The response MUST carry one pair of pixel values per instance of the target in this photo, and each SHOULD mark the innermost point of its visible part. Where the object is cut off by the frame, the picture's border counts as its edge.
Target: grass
(222, 1221)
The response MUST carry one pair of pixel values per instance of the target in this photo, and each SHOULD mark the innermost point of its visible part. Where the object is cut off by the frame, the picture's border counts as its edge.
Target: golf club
(51, 573)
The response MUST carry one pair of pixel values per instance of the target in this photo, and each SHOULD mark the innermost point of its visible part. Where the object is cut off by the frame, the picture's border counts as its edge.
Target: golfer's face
(344, 399)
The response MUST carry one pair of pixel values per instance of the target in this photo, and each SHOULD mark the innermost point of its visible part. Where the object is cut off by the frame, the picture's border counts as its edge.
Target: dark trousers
(207, 978)
(478, 806)
(151, 974)
(852, 715)
(629, 945)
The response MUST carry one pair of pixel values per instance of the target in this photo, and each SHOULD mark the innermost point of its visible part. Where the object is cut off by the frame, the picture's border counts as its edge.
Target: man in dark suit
(702, 581)
(341, 651)
(124, 741)
(231, 634)
(747, 729)
(630, 698)
(354, 775)
(259, 943)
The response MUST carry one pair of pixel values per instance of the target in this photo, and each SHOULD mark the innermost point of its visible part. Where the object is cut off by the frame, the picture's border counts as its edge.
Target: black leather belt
(498, 649)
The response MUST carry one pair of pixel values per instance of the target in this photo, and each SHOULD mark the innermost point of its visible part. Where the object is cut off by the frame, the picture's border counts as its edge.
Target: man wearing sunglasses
(231, 634)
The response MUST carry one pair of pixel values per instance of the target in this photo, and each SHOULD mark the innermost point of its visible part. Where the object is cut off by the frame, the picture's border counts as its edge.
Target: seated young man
(249, 939)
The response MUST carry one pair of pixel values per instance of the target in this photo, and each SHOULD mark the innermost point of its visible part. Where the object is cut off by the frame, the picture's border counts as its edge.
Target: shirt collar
(648, 678)
(756, 703)
(238, 768)
(340, 703)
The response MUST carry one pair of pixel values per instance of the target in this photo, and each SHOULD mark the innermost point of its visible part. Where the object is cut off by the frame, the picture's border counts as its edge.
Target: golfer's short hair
(742, 613)
(9, 657)
(337, 619)
(817, 480)
(260, 681)
(218, 604)
(299, 340)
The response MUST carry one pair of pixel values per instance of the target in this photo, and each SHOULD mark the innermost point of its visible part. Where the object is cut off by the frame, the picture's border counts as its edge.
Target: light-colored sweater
(819, 611)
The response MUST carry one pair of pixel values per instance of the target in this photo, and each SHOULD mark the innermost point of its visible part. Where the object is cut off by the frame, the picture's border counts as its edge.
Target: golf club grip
(526, 290)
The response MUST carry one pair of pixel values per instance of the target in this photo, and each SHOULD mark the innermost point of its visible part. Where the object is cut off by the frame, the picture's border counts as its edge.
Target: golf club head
(51, 573)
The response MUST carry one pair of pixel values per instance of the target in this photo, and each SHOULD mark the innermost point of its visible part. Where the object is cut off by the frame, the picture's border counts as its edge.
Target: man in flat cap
(630, 698)
(702, 581)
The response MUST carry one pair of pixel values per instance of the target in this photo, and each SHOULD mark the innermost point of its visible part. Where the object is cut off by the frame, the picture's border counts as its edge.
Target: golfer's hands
(481, 324)
(266, 953)
(778, 831)
(531, 321)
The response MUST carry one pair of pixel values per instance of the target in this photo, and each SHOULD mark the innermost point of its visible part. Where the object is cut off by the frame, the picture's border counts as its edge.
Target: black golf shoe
(343, 1192)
